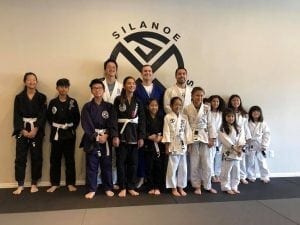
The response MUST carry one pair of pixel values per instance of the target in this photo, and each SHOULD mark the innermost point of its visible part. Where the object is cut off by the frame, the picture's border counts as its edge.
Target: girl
(233, 140)
(235, 103)
(217, 105)
(132, 131)
(29, 121)
(203, 139)
(153, 148)
(176, 135)
(258, 145)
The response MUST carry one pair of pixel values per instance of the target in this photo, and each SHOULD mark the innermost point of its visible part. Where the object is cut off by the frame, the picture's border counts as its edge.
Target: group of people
(137, 132)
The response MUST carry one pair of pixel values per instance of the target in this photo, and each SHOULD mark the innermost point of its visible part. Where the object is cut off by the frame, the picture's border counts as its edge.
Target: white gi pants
(230, 175)
(262, 165)
(201, 165)
(216, 160)
(243, 168)
(176, 171)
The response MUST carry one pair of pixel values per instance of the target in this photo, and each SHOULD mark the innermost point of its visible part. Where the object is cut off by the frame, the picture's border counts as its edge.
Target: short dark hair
(180, 68)
(145, 66)
(256, 108)
(97, 81)
(64, 82)
(197, 89)
(110, 61)
(28, 74)
(172, 101)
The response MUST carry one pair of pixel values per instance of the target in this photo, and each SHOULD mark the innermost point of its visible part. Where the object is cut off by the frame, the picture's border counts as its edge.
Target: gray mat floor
(256, 212)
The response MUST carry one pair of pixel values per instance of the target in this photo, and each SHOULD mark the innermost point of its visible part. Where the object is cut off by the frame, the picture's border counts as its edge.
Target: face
(97, 90)
(230, 118)
(236, 102)
(62, 90)
(181, 76)
(111, 69)
(31, 82)
(255, 115)
(177, 106)
(153, 107)
(197, 97)
(130, 85)
(147, 73)
(214, 103)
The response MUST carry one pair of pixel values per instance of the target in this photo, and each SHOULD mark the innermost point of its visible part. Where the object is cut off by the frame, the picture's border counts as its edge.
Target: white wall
(246, 47)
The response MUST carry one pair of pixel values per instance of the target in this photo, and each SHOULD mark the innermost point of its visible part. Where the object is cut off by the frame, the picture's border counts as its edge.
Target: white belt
(61, 126)
(126, 121)
(100, 132)
(30, 121)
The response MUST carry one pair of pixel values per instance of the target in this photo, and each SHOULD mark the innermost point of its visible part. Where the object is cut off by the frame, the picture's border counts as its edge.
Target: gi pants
(216, 160)
(201, 166)
(262, 165)
(176, 171)
(243, 168)
(93, 160)
(35, 147)
(61, 148)
(127, 160)
(154, 169)
(230, 174)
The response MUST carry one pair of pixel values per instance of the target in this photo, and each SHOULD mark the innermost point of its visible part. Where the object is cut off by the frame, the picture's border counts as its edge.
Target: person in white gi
(113, 89)
(204, 137)
(258, 145)
(180, 89)
(233, 140)
(176, 135)
(217, 105)
(235, 103)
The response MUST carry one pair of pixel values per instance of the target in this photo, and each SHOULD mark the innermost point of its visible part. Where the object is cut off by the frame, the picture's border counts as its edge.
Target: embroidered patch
(172, 120)
(122, 107)
(71, 104)
(105, 115)
(54, 110)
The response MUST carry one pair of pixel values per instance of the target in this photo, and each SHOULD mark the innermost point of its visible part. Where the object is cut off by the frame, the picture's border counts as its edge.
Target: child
(132, 131)
(30, 108)
(153, 148)
(235, 103)
(217, 106)
(176, 135)
(63, 117)
(98, 120)
(204, 137)
(233, 140)
(258, 145)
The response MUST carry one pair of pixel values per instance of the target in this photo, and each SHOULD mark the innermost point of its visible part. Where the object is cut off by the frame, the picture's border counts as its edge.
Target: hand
(140, 143)
(211, 142)
(33, 133)
(102, 138)
(116, 141)
(152, 137)
(25, 133)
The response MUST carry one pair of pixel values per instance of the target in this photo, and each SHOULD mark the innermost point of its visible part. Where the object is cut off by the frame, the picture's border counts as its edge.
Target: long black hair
(221, 106)
(256, 108)
(225, 126)
(123, 96)
(240, 108)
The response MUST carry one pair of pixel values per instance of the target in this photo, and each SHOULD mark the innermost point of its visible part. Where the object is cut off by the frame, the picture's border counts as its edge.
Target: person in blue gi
(131, 127)
(30, 108)
(146, 88)
(63, 116)
(99, 122)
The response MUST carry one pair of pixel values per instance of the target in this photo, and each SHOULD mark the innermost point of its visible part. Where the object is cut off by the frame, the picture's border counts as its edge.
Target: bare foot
(109, 193)
(230, 192)
(116, 187)
(71, 188)
(122, 193)
(243, 181)
(52, 189)
(133, 193)
(198, 191)
(182, 192)
(151, 192)
(236, 191)
(213, 191)
(34, 188)
(175, 192)
(157, 192)
(90, 195)
(18, 190)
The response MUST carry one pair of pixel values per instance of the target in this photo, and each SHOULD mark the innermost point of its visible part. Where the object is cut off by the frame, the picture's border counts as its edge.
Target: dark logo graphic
(143, 40)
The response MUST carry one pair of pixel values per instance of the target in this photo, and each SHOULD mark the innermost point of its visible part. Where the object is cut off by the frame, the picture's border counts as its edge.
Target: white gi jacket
(174, 91)
(200, 123)
(177, 132)
(116, 92)
(230, 140)
(216, 120)
(260, 133)
(242, 122)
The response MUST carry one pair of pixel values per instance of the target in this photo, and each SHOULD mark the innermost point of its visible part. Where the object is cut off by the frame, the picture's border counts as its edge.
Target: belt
(126, 121)
(61, 126)
(30, 121)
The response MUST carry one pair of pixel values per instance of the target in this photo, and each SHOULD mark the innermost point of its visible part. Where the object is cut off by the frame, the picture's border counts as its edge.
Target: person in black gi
(63, 116)
(29, 121)
(99, 122)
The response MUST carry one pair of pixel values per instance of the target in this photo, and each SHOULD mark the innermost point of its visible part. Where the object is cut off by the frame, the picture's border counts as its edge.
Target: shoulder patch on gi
(105, 115)
(71, 104)
(122, 107)
(172, 120)
(54, 110)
